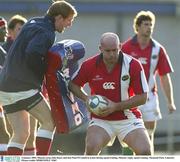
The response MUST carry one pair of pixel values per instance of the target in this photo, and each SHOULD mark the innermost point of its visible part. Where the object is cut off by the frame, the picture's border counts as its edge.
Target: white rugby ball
(96, 103)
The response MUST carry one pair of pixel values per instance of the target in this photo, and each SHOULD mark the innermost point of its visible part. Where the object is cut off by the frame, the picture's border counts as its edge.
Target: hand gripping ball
(97, 103)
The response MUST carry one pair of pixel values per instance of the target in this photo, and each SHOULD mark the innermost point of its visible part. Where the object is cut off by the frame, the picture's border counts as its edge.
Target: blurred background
(96, 17)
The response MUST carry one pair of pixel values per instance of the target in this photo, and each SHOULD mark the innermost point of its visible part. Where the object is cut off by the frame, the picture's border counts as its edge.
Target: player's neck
(109, 67)
(143, 41)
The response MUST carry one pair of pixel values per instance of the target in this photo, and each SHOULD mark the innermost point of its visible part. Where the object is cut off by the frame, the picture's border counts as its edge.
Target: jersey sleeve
(138, 81)
(126, 46)
(164, 64)
(36, 52)
(80, 77)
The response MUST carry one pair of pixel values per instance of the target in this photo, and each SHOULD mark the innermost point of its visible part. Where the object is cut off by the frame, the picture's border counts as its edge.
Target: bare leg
(139, 141)
(30, 148)
(96, 139)
(19, 122)
(4, 135)
(46, 129)
(151, 127)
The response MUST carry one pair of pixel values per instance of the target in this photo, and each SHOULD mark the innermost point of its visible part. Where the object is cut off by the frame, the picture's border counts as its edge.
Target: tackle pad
(68, 111)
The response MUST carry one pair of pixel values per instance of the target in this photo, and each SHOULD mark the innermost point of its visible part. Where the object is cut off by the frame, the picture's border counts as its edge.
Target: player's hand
(89, 108)
(87, 103)
(171, 108)
(109, 109)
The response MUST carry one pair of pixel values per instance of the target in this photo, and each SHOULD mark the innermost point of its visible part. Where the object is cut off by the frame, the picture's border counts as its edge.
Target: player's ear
(58, 18)
(137, 27)
(100, 48)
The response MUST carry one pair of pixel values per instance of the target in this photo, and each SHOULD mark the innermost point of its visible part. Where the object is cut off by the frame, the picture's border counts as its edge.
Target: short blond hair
(61, 7)
(16, 19)
(143, 16)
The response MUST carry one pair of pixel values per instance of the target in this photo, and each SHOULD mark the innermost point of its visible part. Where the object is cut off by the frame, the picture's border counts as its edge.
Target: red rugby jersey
(131, 47)
(93, 71)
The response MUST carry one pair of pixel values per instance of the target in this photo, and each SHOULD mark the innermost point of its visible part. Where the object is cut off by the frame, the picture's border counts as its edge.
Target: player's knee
(48, 125)
(32, 133)
(25, 134)
(150, 132)
(33, 130)
(31, 142)
(4, 134)
(144, 150)
(150, 126)
(51, 126)
(21, 135)
(31, 138)
(92, 148)
(4, 137)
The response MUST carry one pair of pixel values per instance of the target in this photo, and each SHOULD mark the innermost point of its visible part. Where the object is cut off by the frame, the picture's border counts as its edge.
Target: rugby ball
(96, 103)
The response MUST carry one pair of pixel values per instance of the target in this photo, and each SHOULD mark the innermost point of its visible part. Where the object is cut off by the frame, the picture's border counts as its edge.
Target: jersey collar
(134, 40)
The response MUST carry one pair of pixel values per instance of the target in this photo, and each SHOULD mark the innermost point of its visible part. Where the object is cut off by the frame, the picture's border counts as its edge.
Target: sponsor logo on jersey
(125, 77)
(154, 57)
(97, 77)
(143, 60)
(109, 85)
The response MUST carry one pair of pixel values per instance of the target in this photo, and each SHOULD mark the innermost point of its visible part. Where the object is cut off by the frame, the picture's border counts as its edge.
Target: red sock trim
(29, 149)
(3, 152)
(43, 145)
(14, 151)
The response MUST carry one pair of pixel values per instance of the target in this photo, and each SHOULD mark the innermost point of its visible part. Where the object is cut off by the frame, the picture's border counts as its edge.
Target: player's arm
(167, 88)
(139, 86)
(78, 91)
(36, 51)
(132, 102)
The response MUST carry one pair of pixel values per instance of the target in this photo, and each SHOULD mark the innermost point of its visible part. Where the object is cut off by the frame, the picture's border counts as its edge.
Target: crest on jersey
(125, 77)
(154, 56)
